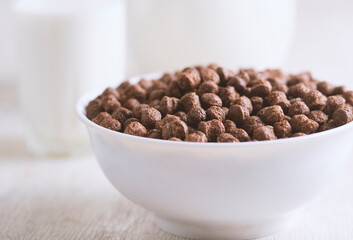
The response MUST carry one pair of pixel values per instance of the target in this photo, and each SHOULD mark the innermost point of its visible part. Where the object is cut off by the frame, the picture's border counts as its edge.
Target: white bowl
(219, 190)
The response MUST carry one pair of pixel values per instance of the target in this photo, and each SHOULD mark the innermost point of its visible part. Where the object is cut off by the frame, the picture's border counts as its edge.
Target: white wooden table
(69, 198)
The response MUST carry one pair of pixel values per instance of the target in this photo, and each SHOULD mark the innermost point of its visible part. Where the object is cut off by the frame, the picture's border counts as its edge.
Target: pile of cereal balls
(215, 104)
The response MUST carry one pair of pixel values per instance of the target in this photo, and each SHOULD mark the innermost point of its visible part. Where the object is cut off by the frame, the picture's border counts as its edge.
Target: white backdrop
(7, 43)
(323, 42)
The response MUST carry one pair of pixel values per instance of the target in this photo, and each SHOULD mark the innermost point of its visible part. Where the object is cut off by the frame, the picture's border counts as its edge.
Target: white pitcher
(235, 33)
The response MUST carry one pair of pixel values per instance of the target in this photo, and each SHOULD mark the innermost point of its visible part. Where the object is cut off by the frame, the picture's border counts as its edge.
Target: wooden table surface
(69, 198)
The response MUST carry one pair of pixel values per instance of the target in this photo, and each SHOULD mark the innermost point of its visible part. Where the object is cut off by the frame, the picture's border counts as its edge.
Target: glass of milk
(66, 48)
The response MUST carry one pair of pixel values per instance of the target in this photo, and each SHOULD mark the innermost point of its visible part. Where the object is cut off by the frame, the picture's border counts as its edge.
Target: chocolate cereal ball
(111, 91)
(342, 116)
(240, 134)
(150, 116)
(211, 129)
(298, 90)
(169, 105)
(304, 78)
(130, 120)
(257, 103)
(318, 116)
(135, 91)
(156, 94)
(330, 124)
(325, 88)
(264, 133)
(137, 111)
(282, 129)
(238, 83)
(109, 103)
(190, 100)
(315, 100)
(298, 134)
(226, 111)
(278, 85)
(189, 79)
(226, 137)
(278, 98)
(167, 119)
(261, 89)
(136, 129)
(333, 103)
(166, 78)
(191, 130)
(123, 86)
(154, 133)
(158, 85)
(339, 90)
(271, 114)
(145, 84)
(173, 90)
(245, 102)
(229, 124)
(210, 99)
(209, 75)
(155, 104)
(349, 97)
(111, 124)
(238, 113)
(177, 129)
(196, 137)
(208, 87)
(175, 139)
(196, 115)
(301, 123)
(215, 112)
(131, 103)
(182, 115)
(93, 108)
(214, 104)
(227, 95)
(122, 114)
(224, 74)
(251, 123)
(100, 117)
(298, 107)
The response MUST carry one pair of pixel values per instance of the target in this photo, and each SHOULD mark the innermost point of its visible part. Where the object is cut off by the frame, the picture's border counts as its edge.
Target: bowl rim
(84, 99)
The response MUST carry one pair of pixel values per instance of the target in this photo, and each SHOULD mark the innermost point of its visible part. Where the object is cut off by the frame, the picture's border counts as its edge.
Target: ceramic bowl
(219, 190)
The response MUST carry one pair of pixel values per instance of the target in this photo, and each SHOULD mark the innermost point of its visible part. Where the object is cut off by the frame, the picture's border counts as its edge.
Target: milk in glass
(66, 48)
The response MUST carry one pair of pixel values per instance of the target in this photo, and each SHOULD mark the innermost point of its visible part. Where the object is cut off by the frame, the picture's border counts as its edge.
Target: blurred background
(58, 50)
(322, 41)
(53, 51)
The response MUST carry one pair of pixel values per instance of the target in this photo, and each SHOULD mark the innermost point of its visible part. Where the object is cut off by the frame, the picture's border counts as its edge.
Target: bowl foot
(226, 231)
